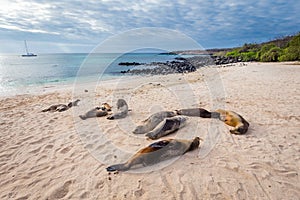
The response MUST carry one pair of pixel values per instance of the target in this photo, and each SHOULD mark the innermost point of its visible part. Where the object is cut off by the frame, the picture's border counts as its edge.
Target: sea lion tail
(151, 135)
(117, 167)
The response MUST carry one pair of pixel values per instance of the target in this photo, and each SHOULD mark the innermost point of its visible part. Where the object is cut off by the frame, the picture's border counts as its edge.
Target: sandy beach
(59, 156)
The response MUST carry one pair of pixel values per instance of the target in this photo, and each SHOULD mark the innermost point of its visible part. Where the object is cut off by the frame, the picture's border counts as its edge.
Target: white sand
(57, 155)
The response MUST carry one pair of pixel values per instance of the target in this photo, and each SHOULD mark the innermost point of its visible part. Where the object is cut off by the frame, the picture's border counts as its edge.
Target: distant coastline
(282, 49)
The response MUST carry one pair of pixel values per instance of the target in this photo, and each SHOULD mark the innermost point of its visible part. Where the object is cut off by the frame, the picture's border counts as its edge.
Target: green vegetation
(284, 49)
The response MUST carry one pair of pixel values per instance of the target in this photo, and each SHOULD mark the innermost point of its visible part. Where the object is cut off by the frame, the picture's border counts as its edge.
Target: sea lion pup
(151, 122)
(122, 110)
(157, 152)
(167, 126)
(232, 119)
(194, 112)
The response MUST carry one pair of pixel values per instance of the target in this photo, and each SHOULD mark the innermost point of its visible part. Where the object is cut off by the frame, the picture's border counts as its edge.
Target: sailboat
(27, 52)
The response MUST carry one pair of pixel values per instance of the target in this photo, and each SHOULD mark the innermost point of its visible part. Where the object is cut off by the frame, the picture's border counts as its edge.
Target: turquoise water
(20, 72)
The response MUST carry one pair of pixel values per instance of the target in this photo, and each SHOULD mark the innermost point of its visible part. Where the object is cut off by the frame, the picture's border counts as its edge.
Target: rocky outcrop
(179, 65)
(168, 67)
(222, 60)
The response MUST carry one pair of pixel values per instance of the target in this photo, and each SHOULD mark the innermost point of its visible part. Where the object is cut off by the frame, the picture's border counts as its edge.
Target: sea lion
(61, 107)
(97, 112)
(232, 119)
(194, 112)
(167, 126)
(54, 108)
(122, 110)
(151, 122)
(157, 152)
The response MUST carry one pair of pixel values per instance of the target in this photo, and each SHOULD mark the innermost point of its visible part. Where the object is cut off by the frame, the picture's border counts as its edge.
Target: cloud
(212, 23)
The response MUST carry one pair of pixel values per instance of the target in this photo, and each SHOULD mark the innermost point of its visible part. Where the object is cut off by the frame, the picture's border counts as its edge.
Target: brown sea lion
(152, 121)
(157, 152)
(167, 126)
(194, 112)
(232, 119)
(122, 110)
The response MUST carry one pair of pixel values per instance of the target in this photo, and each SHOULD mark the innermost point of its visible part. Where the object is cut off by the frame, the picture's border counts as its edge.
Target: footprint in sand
(60, 192)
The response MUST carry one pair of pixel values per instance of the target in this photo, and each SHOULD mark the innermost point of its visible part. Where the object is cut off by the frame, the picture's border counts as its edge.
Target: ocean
(18, 72)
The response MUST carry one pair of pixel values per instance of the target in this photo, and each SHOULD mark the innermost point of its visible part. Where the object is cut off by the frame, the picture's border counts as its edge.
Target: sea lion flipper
(110, 118)
(117, 167)
(151, 135)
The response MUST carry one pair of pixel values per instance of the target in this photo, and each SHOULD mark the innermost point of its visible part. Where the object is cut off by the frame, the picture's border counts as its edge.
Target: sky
(77, 26)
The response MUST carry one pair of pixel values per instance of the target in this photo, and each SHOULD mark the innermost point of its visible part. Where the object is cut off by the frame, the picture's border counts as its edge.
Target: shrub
(263, 50)
(292, 52)
(285, 49)
(235, 53)
(248, 56)
(272, 55)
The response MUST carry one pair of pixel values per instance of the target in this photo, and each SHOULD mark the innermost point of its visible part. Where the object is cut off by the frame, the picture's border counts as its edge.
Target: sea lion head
(195, 144)
(121, 103)
(106, 107)
(181, 118)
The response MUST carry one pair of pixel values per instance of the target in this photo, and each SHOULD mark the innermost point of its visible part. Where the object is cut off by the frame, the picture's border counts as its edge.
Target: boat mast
(26, 48)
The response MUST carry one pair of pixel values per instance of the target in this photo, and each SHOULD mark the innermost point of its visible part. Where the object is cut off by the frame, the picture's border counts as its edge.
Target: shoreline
(49, 87)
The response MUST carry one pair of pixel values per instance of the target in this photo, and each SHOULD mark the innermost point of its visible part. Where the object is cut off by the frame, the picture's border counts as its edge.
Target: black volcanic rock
(130, 63)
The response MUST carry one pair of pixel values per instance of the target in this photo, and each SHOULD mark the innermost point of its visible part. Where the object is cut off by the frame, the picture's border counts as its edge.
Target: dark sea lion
(167, 126)
(151, 122)
(194, 112)
(53, 108)
(232, 119)
(157, 152)
(122, 110)
(57, 107)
